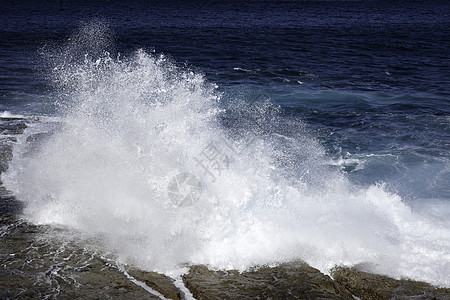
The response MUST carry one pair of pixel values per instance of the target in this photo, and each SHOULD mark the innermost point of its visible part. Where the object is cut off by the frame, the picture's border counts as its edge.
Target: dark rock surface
(5, 155)
(158, 282)
(9, 207)
(368, 286)
(294, 280)
(8, 128)
(12, 126)
(34, 268)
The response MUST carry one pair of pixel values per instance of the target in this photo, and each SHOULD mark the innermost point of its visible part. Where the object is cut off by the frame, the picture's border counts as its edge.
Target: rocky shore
(32, 267)
(297, 280)
(36, 269)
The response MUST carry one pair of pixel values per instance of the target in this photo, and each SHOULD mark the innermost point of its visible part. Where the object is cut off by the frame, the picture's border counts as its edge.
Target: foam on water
(6, 114)
(267, 192)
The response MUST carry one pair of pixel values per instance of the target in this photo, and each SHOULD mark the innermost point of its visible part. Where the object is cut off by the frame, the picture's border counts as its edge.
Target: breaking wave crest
(166, 170)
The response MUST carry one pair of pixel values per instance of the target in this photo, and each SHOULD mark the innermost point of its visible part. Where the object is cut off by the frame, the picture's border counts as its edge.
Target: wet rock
(8, 128)
(35, 142)
(13, 128)
(39, 137)
(378, 287)
(9, 206)
(295, 280)
(6, 154)
(158, 282)
(12, 119)
(32, 267)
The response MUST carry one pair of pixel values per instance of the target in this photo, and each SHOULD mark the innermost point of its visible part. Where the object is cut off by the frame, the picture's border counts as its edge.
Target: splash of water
(264, 193)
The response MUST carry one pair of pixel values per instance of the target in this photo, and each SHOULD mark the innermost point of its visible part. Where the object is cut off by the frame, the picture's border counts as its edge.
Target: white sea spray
(264, 193)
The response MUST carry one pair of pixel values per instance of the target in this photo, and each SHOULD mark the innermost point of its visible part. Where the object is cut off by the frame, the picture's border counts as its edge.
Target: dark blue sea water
(363, 85)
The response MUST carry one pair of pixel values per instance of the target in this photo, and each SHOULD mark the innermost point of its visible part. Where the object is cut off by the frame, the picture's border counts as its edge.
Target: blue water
(367, 80)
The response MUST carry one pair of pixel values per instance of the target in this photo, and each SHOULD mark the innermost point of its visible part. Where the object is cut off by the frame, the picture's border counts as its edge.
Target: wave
(166, 171)
(8, 115)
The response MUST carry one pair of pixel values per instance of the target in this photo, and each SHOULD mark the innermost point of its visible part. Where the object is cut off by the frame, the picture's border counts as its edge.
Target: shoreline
(34, 267)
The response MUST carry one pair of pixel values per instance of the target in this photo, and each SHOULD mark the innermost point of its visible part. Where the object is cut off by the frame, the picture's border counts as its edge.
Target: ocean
(163, 134)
